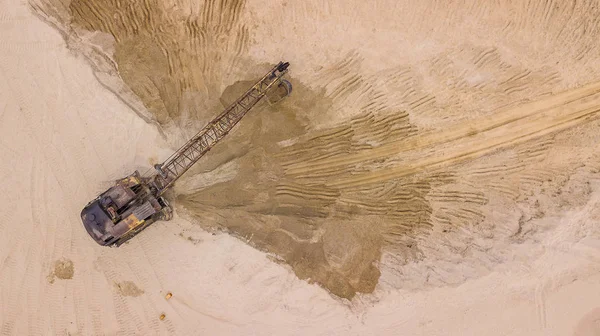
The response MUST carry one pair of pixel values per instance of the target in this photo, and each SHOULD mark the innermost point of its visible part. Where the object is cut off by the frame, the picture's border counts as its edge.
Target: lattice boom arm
(185, 157)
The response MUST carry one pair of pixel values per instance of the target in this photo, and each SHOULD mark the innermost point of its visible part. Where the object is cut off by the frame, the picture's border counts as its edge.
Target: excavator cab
(124, 210)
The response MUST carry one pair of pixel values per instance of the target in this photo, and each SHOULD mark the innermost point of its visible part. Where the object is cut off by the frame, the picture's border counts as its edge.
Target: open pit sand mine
(434, 172)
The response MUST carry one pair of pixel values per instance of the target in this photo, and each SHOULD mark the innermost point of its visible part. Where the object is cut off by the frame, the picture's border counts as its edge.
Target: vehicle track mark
(540, 305)
(475, 151)
(528, 114)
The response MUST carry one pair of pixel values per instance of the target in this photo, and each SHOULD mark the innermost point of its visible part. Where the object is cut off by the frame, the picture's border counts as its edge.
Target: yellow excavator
(135, 202)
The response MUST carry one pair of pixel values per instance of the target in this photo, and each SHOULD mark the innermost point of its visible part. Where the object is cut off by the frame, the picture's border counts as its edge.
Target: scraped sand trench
(430, 152)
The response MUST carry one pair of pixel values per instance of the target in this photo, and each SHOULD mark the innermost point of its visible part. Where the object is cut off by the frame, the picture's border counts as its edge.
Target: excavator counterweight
(135, 202)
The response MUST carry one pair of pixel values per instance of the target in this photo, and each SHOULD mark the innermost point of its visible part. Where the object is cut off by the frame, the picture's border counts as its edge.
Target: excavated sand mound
(435, 170)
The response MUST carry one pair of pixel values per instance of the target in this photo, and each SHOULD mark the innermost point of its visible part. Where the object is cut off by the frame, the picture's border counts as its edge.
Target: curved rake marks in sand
(543, 127)
(458, 196)
(486, 56)
(307, 193)
(212, 41)
(549, 110)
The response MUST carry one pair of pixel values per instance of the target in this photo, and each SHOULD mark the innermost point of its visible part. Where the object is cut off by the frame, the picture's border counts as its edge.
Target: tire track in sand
(469, 140)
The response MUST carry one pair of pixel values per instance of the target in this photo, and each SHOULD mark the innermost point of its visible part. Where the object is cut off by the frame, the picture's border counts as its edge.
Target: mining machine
(135, 202)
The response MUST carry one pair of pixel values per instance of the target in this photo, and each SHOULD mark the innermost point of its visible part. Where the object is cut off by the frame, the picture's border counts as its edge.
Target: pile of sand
(439, 160)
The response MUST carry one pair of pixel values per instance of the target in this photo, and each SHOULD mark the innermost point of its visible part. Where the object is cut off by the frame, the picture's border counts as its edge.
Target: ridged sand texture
(416, 130)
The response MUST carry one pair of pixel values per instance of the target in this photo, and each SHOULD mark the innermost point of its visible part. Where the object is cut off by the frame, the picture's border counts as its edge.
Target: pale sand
(64, 136)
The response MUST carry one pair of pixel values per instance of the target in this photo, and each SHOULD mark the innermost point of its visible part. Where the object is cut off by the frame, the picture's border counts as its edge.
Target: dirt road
(469, 140)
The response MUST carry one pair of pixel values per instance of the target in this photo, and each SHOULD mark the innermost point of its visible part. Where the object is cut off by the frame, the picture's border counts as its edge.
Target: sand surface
(436, 171)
